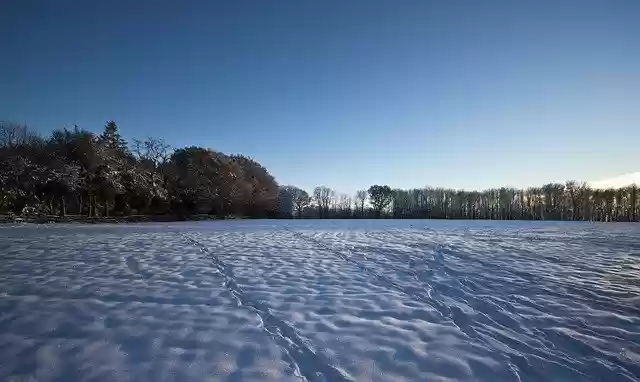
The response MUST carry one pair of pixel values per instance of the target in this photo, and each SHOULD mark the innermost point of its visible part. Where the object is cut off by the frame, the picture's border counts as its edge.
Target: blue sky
(462, 94)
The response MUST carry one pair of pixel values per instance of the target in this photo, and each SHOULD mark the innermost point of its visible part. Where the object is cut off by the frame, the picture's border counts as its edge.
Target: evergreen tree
(111, 138)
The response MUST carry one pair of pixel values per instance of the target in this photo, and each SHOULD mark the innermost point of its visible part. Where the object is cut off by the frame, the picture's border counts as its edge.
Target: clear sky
(464, 94)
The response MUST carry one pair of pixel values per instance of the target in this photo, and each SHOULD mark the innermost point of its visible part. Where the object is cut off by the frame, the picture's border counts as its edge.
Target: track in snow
(379, 301)
(303, 359)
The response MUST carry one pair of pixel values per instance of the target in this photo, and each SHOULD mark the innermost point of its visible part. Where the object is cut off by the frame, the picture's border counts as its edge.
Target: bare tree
(633, 201)
(14, 134)
(154, 151)
(323, 196)
(345, 206)
(361, 198)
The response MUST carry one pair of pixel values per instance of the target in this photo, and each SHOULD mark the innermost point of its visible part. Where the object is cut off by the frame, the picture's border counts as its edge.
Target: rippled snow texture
(321, 301)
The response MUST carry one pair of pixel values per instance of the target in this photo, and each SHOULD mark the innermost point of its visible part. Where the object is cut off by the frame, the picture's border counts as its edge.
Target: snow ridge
(418, 293)
(452, 314)
(305, 362)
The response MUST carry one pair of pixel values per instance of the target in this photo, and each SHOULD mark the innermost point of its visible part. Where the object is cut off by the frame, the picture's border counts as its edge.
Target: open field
(320, 301)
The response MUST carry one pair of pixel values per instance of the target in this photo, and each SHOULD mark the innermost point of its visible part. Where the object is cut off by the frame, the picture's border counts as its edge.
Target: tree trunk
(106, 208)
(93, 206)
(633, 202)
(63, 206)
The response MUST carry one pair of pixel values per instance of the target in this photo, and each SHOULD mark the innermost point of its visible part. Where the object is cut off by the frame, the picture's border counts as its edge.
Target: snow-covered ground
(321, 300)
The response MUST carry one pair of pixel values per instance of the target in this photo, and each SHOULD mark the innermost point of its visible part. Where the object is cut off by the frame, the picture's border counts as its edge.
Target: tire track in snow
(305, 362)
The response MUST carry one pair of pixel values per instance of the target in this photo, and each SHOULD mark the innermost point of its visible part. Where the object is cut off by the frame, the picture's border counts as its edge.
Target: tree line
(74, 171)
(554, 201)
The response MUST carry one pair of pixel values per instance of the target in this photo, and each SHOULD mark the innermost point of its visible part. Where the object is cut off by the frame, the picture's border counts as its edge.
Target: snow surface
(321, 301)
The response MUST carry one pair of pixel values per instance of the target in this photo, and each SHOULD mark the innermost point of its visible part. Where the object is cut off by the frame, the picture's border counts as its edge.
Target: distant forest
(76, 172)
